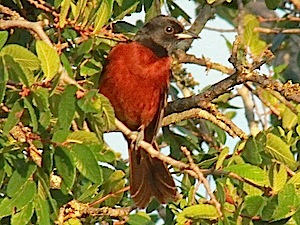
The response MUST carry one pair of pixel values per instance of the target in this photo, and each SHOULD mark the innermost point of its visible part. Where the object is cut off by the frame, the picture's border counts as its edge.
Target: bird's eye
(169, 30)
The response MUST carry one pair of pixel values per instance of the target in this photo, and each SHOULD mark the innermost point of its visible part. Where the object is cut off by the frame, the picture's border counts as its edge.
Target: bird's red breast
(141, 80)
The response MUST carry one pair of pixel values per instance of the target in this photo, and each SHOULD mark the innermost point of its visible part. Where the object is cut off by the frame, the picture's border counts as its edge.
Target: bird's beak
(186, 35)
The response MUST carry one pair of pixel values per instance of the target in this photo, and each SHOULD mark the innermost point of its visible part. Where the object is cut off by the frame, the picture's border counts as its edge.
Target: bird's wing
(152, 129)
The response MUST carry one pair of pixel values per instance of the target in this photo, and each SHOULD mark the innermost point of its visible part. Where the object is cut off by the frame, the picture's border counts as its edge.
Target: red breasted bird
(136, 79)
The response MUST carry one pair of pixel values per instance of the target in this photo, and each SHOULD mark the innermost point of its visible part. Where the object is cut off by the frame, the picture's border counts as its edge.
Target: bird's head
(161, 34)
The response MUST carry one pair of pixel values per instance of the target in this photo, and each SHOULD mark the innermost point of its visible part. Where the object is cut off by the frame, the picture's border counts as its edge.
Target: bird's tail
(149, 177)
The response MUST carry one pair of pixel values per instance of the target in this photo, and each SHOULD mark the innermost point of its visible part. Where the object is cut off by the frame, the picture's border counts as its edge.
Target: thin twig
(202, 179)
(98, 201)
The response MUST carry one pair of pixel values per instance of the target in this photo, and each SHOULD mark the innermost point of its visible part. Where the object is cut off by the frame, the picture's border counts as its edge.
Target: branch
(202, 179)
(36, 27)
(154, 153)
(75, 209)
(249, 106)
(216, 118)
(277, 30)
(289, 90)
(205, 13)
(183, 57)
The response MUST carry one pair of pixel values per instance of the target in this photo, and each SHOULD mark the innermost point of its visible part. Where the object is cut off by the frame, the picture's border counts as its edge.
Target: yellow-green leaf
(103, 14)
(65, 6)
(278, 149)
(21, 55)
(197, 212)
(49, 59)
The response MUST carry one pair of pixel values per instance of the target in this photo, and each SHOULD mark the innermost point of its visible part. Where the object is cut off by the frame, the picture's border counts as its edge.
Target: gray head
(161, 34)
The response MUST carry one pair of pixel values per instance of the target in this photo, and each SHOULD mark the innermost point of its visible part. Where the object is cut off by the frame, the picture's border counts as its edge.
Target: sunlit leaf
(249, 172)
(3, 38)
(13, 117)
(22, 56)
(19, 178)
(278, 149)
(278, 177)
(140, 218)
(67, 107)
(103, 14)
(83, 137)
(42, 210)
(3, 79)
(19, 201)
(22, 217)
(196, 212)
(86, 163)
(253, 205)
(65, 6)
(49, 58)
(288, 203)
(65, 168)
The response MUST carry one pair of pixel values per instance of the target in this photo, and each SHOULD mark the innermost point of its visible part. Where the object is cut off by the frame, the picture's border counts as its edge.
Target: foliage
(52, 120)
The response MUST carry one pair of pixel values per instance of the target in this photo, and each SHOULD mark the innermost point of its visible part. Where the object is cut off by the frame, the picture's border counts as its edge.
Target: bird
(135, 79)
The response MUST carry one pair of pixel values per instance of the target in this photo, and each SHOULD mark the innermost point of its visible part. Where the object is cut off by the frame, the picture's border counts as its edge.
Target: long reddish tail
(149, 177)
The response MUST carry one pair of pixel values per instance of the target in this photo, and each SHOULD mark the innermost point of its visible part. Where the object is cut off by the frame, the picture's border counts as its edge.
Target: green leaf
(3, 38)
(83, 137)
(41, 102)
(251, 152)
(140, 218)
(269, 209)
(60, 136)
(16, 72)
(22, 56)
(3, 79)
(90, 68)
(295, 180)
(90, 102)
(65, 168)
(80, 6)
(19, 201)
(127, 11)
(13, 117)
(272, 4)
(49, 58)
(34, 122)
(42, 210)
(106, 155)
(24, 216)
(151, 11)
(64, 9)
(114, 182)
(253, 205)
(66, 64)
(86, 163)
(19, 178)
(109, 114)
(88, 191)
(251, 190)
(288, 203)
(289, 119)
(278, 149)
(251, 38)
(67, 107)
(249, 172)
(103, 14)
(85, 47)
(197, 212)
(277, 177)
(222, 157)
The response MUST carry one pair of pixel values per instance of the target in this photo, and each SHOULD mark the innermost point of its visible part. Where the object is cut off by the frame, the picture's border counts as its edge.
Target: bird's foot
(139, 137)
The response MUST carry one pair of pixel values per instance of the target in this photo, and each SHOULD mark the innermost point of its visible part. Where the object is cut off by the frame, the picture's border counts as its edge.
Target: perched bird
(136, 79)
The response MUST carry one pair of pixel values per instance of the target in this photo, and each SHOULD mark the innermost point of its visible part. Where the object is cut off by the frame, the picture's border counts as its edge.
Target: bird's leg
(139, 137)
